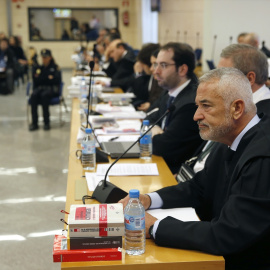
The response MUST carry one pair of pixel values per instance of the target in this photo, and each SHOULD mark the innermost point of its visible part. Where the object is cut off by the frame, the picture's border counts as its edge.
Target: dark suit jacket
(263, 106)
(181, 137)
(232, 199)
(122, 71)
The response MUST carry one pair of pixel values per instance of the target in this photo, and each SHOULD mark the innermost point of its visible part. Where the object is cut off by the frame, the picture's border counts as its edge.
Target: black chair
(59, 100)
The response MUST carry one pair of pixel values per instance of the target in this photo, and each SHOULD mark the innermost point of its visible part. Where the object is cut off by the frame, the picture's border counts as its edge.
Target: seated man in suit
(231, 195)
(145, 87)
(253, 63)
(176, 137)
(121, 68)
(47, 80)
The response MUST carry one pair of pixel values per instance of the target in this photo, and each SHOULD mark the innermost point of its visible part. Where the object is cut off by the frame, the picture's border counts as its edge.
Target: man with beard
(231, 195)
(175, 137)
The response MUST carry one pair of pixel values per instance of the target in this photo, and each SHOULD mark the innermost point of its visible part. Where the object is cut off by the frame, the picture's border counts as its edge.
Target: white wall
(226, 18)
(149, 23)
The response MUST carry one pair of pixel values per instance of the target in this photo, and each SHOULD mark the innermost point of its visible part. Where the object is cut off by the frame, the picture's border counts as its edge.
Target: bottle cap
(88, 130)
(134, 193)
(145, 122)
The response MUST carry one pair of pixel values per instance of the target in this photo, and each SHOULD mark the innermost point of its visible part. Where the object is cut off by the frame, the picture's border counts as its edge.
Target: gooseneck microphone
(106, 192)
(91, 65)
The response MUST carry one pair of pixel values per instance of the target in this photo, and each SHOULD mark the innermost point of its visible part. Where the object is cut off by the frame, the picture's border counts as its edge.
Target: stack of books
(95, 233)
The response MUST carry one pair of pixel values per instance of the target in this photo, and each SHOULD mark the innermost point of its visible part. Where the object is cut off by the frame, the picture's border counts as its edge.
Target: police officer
(46, 83)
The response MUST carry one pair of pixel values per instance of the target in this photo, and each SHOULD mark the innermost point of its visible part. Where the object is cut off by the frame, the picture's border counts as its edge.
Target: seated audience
(231, 195)
(143, 87)
(21, 66)
(7, 67)
(121, 69)
(176, 137)
(154, 89)
(46, 83)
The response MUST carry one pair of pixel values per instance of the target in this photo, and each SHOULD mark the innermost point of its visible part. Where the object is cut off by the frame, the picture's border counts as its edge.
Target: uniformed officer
(46, 83)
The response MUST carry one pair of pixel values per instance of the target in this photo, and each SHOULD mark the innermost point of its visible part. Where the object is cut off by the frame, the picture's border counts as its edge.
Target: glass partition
(67, 24)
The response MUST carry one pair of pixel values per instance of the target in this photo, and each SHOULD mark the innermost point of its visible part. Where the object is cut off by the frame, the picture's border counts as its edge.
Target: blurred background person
(7, 67)
(46, 83)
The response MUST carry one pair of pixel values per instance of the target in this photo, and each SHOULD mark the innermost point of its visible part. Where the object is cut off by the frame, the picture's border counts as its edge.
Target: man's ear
(251, 77)
(183, 70)
(237, 109)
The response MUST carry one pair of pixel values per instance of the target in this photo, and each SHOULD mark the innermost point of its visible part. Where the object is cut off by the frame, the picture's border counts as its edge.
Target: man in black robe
(231, 195)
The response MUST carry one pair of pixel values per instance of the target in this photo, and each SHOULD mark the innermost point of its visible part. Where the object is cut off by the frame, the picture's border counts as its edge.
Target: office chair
(59, 100)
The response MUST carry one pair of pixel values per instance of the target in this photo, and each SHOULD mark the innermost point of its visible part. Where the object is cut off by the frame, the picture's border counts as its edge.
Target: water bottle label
(134, 223)
(146, 139)
(88, 149)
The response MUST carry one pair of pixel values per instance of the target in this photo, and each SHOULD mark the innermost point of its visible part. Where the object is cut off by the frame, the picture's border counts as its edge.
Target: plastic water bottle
(94, 97)
(146, 142)
(83, 117)
(88, 157)
(83, 88)
(134, 225)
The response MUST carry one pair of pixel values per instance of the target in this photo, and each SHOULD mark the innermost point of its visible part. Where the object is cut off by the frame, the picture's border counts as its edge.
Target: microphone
(90, 97)
(106, 192)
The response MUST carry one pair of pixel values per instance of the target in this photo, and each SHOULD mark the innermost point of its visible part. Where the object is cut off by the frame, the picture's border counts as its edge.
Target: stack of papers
(108, 97)
(131, 169)
(107, 108)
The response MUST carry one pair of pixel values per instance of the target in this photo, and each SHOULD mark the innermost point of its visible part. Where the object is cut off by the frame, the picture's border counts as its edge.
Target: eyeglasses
(162, 65)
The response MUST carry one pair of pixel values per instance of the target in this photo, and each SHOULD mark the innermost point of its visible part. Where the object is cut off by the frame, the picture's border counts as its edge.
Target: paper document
(124, 126)
(107, 108)
(184, 214)
(113, 96)
(93, 179)
(122, 138)
(128, 169)
(126, 115)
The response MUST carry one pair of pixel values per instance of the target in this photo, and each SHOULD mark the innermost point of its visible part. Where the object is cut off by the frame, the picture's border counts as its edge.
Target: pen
(113, 139)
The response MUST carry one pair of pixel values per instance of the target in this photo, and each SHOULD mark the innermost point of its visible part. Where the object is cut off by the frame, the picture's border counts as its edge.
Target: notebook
(115, 149)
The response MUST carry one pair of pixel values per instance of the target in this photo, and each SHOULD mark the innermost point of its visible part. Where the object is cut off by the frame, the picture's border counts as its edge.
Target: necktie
(170, 101)
(167, 119)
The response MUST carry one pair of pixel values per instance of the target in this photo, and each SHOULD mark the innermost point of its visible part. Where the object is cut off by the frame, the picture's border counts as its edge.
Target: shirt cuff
(155, 227)
(156, 201)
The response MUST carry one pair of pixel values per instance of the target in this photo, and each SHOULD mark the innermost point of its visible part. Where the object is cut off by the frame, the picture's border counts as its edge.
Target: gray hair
(232, 84)
(248, 58)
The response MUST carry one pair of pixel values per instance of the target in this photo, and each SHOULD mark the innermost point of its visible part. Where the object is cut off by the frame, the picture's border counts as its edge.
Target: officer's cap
(46, 53)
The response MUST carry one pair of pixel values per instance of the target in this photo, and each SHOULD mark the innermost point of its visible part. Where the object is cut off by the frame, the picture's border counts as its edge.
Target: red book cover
(62, 254)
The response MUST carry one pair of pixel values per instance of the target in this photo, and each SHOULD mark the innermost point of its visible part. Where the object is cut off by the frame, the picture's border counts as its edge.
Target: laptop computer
(116, 149)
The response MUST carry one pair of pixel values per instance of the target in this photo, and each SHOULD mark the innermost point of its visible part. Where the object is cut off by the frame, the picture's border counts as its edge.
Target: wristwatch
(151, 233)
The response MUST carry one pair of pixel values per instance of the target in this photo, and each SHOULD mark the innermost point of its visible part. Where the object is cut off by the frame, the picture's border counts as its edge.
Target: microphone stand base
(108, 194)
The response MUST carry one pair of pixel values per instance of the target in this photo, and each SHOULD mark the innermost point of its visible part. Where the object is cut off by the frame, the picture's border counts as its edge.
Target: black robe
(232, 199)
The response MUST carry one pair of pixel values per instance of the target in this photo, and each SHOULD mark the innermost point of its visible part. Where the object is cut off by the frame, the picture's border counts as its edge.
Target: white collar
(261, 94)
(254, 121)
(175, 92)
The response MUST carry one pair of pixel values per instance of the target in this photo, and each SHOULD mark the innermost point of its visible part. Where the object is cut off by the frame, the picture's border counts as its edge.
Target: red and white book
(62, 254)
(91, 220)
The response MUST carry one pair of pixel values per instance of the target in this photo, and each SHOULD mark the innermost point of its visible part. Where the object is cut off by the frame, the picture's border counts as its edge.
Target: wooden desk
(155, 257)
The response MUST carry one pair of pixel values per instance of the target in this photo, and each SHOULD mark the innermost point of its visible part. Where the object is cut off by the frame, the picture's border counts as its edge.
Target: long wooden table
(155, 257)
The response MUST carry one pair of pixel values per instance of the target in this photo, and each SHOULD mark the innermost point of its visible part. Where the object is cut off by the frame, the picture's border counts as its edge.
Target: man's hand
(156, 130)
(145, 200)
(149, 221)
(100, 82)
(144, 106)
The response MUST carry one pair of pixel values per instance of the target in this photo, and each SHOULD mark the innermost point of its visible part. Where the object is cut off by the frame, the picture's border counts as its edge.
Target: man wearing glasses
(176, 137)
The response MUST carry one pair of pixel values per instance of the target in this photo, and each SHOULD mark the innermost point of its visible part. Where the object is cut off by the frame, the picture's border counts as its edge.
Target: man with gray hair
(253, 63)
(231, 195)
